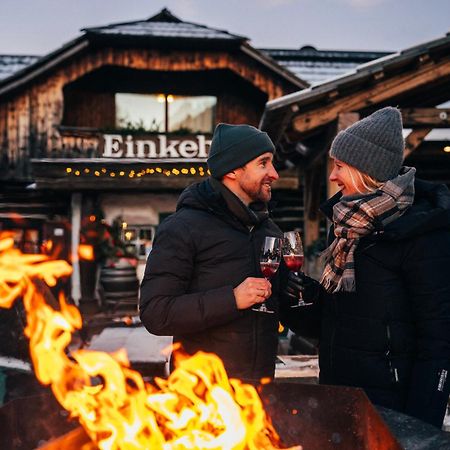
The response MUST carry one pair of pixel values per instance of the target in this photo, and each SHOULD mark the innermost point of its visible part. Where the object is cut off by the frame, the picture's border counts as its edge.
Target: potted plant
(112, 248)
(118, 280)
(113, 262)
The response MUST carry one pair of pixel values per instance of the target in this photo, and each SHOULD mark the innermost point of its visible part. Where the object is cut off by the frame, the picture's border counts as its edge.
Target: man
(203, 275)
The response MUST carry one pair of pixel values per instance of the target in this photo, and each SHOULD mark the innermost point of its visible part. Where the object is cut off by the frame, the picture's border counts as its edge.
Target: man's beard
(259, 194)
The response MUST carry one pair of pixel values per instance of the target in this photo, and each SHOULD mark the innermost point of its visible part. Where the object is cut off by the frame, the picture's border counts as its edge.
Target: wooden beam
(414, 139)
(378, 93)
(286, 182)
(320, 144)
(378, 75)
(45, 291)
(153, 183)
(426, 117)
(311, 201)
(76, 204)
(345, 119)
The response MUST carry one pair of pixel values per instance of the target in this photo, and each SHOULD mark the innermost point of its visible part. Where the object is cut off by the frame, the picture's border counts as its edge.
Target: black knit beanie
(234, 146)
(374, 145)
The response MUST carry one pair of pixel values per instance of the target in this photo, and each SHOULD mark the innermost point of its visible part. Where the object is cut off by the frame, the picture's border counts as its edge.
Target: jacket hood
(221, 202)
(429, 212)
(201, 196)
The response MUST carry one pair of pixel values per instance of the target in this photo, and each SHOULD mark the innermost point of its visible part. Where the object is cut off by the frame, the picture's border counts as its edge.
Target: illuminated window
(140, 112)
(165, 113)
(141, 237)
(26, 240)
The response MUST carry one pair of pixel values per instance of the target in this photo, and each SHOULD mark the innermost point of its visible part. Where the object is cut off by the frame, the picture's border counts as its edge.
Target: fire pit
(28, 422)
(196, 407)
(316, 417)
(326, 417)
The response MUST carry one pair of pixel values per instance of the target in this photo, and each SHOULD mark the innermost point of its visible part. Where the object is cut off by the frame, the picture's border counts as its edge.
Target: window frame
(165, 120)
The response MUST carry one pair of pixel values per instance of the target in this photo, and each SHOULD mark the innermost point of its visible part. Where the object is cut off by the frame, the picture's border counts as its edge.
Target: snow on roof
(10, 64)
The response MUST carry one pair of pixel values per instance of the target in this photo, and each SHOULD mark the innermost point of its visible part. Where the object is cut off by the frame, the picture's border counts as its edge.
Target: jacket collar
(250, 216)
(327, 207)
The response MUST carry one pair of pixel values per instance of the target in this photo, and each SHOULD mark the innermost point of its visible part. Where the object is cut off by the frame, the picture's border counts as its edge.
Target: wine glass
(269, 261)
(293, 257)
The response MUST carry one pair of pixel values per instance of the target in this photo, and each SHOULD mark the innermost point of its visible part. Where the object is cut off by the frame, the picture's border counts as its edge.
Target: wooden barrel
(119, 286)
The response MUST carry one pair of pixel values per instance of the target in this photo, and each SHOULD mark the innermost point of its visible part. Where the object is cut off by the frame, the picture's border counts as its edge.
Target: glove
(309, 288)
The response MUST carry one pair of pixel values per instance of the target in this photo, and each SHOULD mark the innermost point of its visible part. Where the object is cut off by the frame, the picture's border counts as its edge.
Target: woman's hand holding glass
(293, 257)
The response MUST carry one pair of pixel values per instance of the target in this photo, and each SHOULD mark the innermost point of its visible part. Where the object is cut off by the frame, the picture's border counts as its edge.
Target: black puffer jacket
(392, 336)
(200, 254)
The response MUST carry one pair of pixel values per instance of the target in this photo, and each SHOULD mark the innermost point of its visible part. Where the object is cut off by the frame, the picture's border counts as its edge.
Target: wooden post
(76, 225)
(45, 291)
(311, 200)
(426, 117)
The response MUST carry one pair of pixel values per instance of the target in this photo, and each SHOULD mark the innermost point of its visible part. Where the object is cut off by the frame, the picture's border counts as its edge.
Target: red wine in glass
(293, 257)
(293, 262)
(269, 261)
(268, 269)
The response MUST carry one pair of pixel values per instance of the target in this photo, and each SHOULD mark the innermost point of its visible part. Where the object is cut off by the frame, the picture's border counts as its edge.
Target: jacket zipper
(393, 370)
(255, 322)
(333, 333)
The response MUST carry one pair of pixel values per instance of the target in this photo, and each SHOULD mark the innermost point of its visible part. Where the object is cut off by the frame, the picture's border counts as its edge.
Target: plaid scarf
(357, 216)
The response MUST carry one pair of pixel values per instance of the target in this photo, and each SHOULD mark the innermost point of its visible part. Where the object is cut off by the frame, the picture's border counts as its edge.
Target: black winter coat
(200, 254)
(392, 336)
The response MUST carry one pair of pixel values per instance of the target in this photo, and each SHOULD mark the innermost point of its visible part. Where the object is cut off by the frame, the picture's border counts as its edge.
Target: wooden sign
(155, 147)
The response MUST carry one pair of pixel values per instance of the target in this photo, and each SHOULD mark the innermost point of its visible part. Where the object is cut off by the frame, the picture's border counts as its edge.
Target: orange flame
(197, 407)
(16, 270)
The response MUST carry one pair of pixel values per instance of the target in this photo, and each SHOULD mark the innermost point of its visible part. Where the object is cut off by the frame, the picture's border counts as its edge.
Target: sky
(36, 27)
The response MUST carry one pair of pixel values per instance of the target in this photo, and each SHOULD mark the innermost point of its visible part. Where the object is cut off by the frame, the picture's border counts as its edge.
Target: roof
(316, 66)
(164, 28)
(164, 25)
(279, 112)
(10, 64)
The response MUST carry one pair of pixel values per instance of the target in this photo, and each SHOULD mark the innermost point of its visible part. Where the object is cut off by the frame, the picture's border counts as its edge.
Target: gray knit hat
(234, 146)
(374, 145)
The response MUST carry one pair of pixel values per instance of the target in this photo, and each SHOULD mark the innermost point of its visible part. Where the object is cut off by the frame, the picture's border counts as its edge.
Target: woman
(382, 308)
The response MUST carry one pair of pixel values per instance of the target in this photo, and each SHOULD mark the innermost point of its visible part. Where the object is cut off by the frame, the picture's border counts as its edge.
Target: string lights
(132, 173)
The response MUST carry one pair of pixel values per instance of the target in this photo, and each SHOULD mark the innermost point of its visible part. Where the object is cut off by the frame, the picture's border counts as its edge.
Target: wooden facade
(79, 93)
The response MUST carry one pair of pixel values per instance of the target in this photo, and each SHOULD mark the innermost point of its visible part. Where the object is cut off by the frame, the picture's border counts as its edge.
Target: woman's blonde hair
(359, 179)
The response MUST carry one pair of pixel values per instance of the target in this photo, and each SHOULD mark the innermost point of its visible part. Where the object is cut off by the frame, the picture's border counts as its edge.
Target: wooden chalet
(303, 124)
(121, 119)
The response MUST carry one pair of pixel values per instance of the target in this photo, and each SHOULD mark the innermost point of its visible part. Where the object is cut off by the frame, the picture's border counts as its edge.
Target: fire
(17, 269)
(197, 407)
